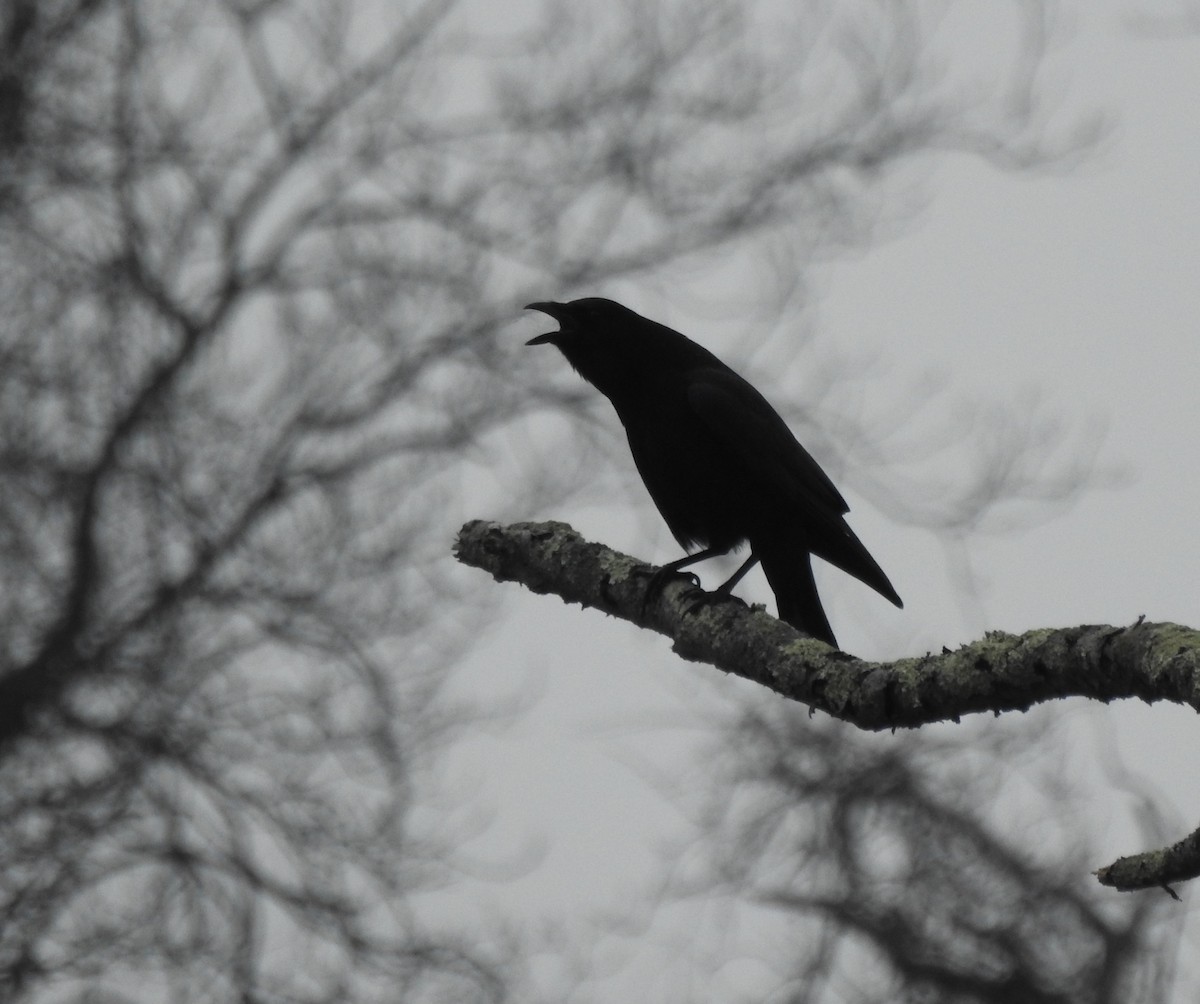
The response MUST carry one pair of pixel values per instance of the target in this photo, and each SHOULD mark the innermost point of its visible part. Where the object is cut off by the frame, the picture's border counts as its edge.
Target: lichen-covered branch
(1155, 869)
(999, 672)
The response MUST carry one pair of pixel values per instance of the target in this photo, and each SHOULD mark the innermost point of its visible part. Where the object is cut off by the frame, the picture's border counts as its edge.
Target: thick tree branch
(1000, 672)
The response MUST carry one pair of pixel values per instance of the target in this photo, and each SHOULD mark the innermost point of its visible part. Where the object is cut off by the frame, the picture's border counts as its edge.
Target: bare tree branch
(998, 673)
(1155, 869)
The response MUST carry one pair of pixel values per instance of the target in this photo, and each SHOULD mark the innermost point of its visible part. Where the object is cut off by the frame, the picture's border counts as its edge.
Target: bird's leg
(736, 577)
(724, 591)
(659, 577)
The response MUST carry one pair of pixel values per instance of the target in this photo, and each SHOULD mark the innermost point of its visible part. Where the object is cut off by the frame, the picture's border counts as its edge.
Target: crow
(720, 463)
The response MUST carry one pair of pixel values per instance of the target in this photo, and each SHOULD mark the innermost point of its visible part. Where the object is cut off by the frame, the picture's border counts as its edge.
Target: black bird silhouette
(720, 463)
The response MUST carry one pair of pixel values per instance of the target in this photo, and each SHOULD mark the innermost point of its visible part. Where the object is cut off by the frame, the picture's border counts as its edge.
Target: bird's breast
(699, 487)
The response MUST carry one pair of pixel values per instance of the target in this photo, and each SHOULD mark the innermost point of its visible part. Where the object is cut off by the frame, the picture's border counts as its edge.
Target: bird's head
(596, 336)
(580, 320)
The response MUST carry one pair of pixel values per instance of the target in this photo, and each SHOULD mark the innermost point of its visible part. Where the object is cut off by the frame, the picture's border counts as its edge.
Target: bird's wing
(743, 420)
(739, 417)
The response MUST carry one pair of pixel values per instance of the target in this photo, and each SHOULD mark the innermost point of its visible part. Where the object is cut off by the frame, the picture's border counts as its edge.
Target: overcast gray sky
(1082, 286)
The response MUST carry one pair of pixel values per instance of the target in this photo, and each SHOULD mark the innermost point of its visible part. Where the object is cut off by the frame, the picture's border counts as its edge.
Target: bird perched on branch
(719, 462)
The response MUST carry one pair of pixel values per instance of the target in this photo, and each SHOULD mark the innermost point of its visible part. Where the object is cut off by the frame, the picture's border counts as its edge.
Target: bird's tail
(838, 545)
(790, 575)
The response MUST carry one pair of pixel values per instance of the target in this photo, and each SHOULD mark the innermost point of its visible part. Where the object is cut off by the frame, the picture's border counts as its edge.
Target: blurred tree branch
(256, 258)
(887, 858)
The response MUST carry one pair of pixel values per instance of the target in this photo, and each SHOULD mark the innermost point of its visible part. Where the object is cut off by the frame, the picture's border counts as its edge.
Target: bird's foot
(658, 581)
(717, 596)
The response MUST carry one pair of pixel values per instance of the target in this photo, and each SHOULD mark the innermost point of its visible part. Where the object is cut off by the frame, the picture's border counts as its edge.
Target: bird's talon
(658, 582)
(717, 596)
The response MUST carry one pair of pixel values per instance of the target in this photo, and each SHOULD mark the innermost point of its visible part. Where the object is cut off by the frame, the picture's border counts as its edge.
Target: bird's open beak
(556, 310)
